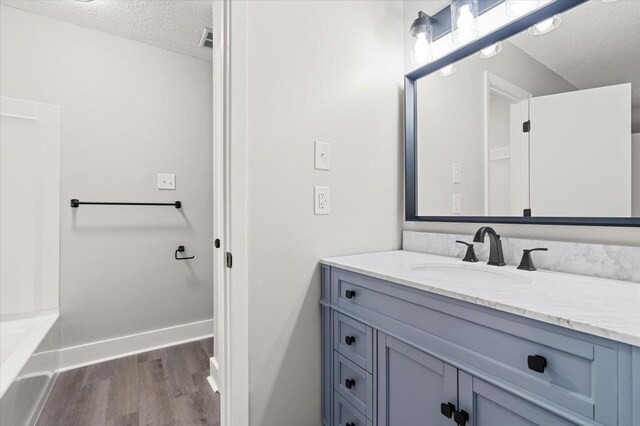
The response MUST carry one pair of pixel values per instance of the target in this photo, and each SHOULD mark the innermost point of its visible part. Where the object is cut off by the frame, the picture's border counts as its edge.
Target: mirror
(544, 124)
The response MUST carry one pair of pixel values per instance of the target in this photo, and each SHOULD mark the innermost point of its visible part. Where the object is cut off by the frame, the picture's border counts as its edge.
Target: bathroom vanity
(418, 339)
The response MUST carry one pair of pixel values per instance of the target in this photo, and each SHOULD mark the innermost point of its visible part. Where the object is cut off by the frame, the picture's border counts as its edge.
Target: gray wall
(331, 71)
(129, 111)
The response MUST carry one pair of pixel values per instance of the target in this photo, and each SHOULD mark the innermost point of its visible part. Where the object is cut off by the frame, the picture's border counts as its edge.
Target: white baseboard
(213, 384)
(105, 350)
(213, 374)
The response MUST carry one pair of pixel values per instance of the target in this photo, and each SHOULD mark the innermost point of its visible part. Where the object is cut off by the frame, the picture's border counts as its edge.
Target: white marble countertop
(601, 307)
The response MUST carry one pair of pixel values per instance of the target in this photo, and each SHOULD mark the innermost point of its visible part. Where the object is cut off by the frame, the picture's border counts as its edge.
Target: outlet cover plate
(166, 181)
(321, 200)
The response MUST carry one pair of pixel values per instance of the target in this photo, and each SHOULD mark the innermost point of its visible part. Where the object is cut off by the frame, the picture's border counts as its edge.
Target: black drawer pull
(350, 294)
(349, 340)
(537, 363)
(349, 383)
(461, 417)
(447, 409)
(350, 424)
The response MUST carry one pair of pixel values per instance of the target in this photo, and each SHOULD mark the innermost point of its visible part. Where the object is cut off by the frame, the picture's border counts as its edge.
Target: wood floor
(165, 387)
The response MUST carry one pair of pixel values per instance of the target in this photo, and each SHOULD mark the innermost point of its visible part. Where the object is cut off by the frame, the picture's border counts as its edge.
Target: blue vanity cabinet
(487, 405)
(393, 355)
(412, 385)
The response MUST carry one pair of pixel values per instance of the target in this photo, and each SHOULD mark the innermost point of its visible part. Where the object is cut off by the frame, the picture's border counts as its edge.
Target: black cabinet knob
(461, 417)
(537, 363)
(349, 340)
(447, 409)
(349, 383)
(350, 294)
(350, 424)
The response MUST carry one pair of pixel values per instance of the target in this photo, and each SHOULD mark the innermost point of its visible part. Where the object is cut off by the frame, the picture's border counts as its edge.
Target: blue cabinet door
(486, 405)
(412, 385)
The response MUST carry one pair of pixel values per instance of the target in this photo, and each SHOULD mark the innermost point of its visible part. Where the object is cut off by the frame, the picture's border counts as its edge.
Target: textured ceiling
(597, 44)
(174, 25)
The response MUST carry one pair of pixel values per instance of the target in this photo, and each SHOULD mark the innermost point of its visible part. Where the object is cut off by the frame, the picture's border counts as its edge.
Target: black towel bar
(76, 203)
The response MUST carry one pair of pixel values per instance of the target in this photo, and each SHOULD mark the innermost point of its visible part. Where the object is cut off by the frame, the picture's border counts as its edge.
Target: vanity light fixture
(516, 8)
(448, 70)
(464, 24)
(490, 51)
(546, 26)
(422, 32)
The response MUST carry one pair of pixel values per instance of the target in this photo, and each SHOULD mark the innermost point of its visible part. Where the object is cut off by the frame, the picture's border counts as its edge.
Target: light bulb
(447, 70)
(421, 50)
(548, 25)
(490, 51)
(465, 18)
(545, 25)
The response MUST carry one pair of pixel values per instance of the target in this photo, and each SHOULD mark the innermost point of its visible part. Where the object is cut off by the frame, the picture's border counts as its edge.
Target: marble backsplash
(614, 262)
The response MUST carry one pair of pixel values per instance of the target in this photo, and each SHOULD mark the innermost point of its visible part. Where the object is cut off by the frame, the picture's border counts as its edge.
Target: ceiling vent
(207, 38)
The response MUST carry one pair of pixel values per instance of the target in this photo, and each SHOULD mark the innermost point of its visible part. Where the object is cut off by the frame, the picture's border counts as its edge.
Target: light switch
(456, 205)
(457, 173)
(321, 203)
(166, 181)
(322, 155)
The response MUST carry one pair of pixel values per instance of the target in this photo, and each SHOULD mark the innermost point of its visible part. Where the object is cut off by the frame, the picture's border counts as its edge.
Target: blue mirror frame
(410, 135)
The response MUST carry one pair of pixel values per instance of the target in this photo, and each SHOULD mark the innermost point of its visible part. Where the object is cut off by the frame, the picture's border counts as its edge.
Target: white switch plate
(321, 200)
(166, 181)
(322, 155)
(457, 173)
(456, 206)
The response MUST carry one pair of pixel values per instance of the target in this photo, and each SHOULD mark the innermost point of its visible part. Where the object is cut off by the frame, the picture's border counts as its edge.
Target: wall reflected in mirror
(546, 122)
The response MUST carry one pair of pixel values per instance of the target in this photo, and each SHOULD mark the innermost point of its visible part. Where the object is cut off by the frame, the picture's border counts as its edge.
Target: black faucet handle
(470, 255)
(527, 262)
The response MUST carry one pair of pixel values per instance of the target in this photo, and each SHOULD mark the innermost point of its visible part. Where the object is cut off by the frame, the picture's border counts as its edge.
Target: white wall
(317, 70)
(129, 111)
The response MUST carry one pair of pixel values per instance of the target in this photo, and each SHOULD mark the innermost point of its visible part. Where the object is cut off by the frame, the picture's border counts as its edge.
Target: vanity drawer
(580, 374)
(354, 340)
(354, 384)
(345, 414)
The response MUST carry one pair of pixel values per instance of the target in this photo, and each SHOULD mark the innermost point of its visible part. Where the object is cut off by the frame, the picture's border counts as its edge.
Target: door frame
(230, 364)
(494, 85)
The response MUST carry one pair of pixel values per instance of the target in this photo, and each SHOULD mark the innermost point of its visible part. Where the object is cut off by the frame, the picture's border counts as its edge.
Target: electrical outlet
(322, 155)
(166, 181)
(321, 200)
(456, 207)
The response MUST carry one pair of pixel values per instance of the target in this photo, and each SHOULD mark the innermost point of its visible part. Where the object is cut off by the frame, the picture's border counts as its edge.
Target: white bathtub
(29, 354)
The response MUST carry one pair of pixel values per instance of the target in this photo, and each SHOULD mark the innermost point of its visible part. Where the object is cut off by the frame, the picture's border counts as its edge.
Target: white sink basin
(467, 274)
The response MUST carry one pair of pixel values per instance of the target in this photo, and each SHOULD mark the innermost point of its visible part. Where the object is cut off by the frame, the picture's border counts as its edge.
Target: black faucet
(496, 257)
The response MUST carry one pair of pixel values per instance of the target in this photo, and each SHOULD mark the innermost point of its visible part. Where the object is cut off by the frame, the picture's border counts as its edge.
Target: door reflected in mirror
(546, 123)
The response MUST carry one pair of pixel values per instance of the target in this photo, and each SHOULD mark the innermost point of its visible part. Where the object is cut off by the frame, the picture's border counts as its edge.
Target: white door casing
(230, 364)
